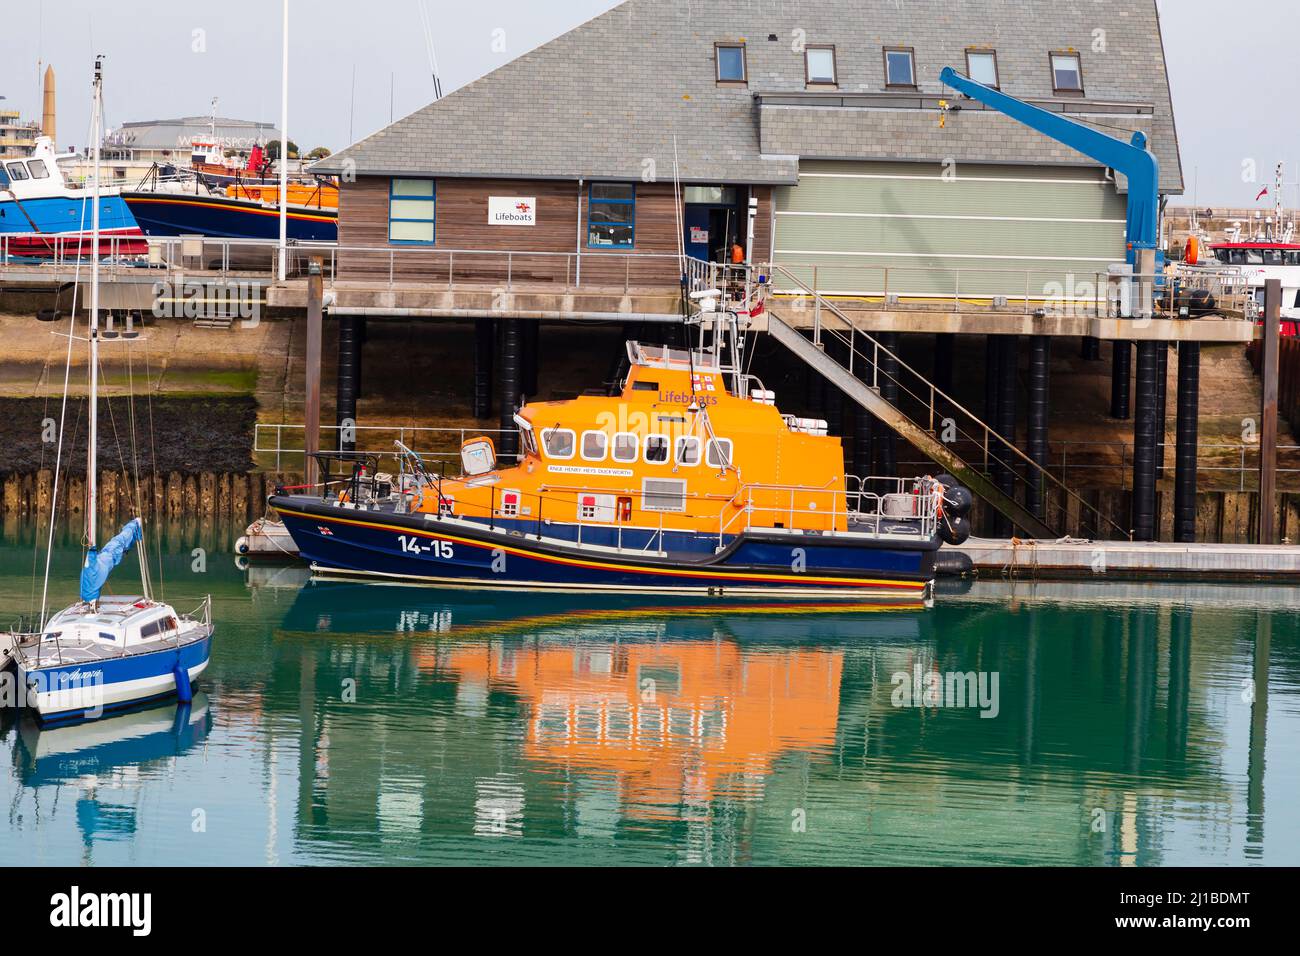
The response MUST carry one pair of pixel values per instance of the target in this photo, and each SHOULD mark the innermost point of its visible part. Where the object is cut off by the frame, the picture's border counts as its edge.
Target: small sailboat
(107, 653)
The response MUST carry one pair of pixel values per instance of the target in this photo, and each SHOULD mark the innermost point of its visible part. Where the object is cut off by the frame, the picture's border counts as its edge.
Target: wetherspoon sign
(512, 210)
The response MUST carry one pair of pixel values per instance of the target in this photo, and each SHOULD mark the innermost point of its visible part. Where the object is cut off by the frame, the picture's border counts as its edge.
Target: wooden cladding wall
(553, 250)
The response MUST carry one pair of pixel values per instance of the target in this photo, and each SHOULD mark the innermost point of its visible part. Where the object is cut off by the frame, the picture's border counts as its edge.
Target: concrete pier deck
(1070, 559)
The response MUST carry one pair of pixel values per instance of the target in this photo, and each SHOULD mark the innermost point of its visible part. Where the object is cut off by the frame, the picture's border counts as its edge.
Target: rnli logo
(523, 208)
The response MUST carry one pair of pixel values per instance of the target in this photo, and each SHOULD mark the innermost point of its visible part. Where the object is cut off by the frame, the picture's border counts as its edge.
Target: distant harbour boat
(162, 212)
(42, 215)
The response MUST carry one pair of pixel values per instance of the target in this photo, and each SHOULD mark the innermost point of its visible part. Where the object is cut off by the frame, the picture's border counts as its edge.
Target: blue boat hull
(413, 547)
(163, 214)
(67, 220)
(74, 692)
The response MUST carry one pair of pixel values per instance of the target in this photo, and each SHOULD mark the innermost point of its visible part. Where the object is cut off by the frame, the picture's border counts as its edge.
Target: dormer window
(1067, 73)
(819, 65)
(900, 67)
(731, 62)
(982, 67)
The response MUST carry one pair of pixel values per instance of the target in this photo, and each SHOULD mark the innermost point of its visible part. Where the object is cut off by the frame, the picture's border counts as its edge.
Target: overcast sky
(1231, 65)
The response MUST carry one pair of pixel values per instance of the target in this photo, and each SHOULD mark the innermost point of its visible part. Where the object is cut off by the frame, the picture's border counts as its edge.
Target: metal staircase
(859, 378)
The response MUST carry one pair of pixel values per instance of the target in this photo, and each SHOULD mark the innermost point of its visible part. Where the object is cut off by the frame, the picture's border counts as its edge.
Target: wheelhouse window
(1067, 73)
(656, 449)
(17, 172)
(411, 211)
(731, 62)
(558, 442)
(38, 170)
(688, 451)
(611, 216)
(719, 453)
(982, 67)
(594, 446)
(900, 67)
(819, 65)
(625, 447)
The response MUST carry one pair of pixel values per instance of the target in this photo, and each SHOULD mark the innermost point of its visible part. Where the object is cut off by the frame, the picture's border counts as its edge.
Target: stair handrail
(821, 302)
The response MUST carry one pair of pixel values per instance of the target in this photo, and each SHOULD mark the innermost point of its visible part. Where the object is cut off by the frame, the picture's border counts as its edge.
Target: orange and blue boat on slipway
(689, 480)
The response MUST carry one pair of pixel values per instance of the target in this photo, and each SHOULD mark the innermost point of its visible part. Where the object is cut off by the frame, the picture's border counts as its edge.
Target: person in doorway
(737, 254)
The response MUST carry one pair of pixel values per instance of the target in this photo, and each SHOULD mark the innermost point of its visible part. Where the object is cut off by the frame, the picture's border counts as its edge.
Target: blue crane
(1133, 159)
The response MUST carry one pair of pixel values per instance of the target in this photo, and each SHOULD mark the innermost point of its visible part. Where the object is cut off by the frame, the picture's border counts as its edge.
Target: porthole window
(688, 451)
(625, 447)
(558, 442)
(594, 446)
(719, 453)
(656, 449)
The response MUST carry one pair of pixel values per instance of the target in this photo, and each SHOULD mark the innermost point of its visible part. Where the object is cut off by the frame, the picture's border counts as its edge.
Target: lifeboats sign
(512, 210)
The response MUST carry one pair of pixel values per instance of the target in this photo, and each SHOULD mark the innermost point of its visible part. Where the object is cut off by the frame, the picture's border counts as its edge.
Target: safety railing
(389, 265)
(1110, 463)
(287, 442)
(1059, 292)
(940, 414)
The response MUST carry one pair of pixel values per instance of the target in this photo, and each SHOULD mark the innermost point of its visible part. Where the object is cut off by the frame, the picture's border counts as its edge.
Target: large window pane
(412, 211)
(1066, 73)
(821, 65)
(611, 215)
(413, 187)
(731, 64)
(898, 68)
(983, 67)
(410, 231)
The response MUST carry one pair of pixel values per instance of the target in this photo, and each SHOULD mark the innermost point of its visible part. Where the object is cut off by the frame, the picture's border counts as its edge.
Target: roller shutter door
(905, 228)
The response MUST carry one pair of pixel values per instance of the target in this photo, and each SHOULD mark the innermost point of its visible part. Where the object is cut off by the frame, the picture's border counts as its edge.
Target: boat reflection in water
(106, 762)
(712, 732)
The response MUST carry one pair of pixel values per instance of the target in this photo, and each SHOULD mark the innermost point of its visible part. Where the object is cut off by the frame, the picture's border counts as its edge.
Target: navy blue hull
(415, 547)
(163, 214)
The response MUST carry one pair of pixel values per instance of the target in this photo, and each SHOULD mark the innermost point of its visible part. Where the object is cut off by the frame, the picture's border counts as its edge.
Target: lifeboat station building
(811, 140)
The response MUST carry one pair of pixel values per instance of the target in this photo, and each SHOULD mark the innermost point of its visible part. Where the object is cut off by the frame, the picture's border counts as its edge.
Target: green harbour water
(1120, 725)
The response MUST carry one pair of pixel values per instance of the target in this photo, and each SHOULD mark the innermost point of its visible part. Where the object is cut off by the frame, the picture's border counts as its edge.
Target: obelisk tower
(47, 119)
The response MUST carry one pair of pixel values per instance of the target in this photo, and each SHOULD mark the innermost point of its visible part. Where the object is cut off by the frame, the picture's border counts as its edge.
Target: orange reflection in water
(668, 721)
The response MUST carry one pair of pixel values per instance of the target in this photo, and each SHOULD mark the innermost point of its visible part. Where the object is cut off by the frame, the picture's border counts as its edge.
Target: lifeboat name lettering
(685, 398)
(586, 470)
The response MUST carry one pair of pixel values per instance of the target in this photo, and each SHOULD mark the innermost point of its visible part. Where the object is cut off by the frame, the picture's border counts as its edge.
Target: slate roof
(605, 100)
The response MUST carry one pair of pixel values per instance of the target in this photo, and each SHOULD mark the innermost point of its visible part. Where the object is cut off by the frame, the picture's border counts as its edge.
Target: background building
(17, 138)
(828, 112)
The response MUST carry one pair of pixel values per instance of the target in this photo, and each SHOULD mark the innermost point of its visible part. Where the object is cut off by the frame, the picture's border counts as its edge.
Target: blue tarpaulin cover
(100, 563)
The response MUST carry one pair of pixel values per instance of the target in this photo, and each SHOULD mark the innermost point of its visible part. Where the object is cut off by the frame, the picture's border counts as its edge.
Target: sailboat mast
(92, 438)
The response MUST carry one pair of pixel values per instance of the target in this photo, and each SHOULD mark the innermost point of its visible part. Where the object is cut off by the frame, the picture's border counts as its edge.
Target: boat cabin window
(1273, 257)
(37, 168)
(558, 442)
(107, 636)
(625, 447)
(656, 449)
(663, 494)
(594, 446)
(17, 172)
(719, 453)
(688, 451)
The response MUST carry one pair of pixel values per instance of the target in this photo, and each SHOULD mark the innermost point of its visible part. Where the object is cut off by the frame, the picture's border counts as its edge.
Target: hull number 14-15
(412, 545)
